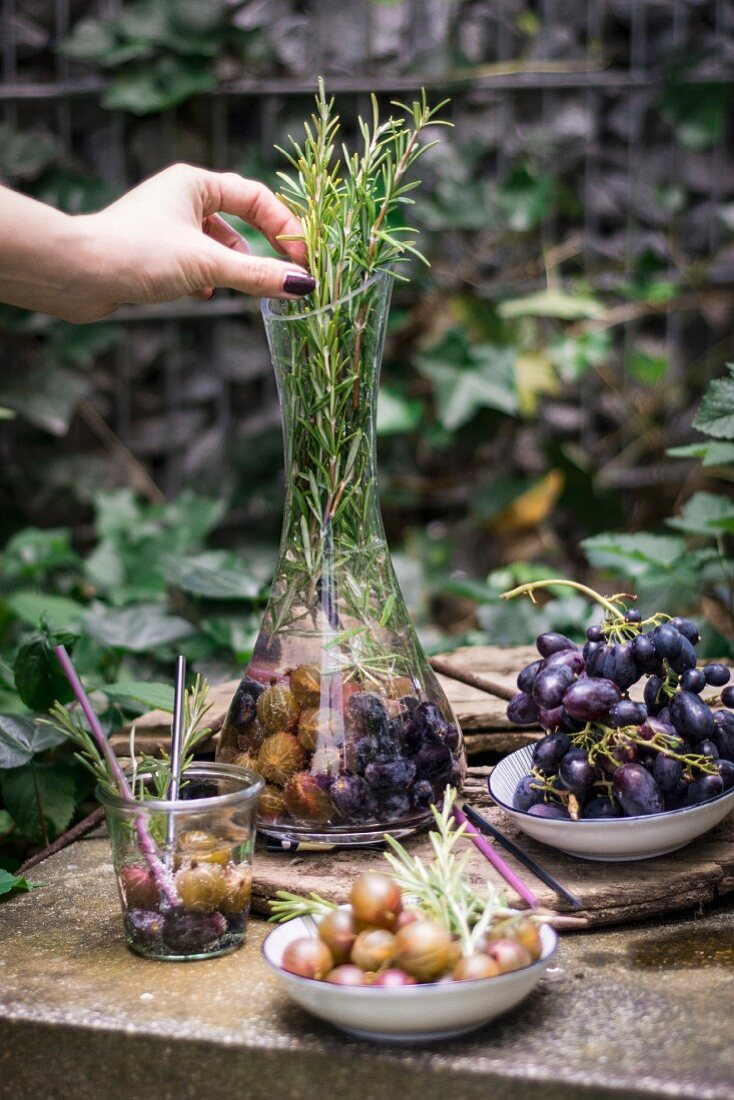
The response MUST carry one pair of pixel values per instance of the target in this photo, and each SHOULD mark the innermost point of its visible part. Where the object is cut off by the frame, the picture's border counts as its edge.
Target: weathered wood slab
(482, 717)
(612, 893)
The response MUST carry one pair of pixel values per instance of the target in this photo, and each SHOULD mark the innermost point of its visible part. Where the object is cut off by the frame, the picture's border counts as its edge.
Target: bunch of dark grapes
(607, 755)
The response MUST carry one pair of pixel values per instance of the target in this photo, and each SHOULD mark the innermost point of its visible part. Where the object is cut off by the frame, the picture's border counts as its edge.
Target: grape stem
(607, 604)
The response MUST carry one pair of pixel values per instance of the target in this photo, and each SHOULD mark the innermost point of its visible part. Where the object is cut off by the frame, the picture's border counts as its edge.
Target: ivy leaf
(32, 552)
(711, 454)
(152, 695)
(136, 629)
(46, 396)
(22, 738)
(164, 82)
(53, 785)
(705, 514)
(216, 575)
(25, 154)
(95, 41)
(633, 555)
(30, 606)
(484, 379)
(526, 199)
(552, 303)
(396, 413)
(39, 678)
(9, 882)
(715, 415)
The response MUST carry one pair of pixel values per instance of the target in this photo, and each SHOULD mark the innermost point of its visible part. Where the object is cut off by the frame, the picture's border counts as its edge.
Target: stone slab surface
(626, 1014)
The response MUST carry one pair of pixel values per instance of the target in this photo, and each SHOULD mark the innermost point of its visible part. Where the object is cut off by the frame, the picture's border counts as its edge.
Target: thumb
(258, 275)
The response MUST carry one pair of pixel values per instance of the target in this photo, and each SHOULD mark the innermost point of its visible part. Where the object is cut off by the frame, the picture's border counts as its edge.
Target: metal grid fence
(191, 382)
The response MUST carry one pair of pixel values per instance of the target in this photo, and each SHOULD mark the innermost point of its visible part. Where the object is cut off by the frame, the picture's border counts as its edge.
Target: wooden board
(612, 893)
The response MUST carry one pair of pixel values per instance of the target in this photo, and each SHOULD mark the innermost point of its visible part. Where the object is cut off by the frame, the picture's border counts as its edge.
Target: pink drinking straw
(147, 847)
(497, 861)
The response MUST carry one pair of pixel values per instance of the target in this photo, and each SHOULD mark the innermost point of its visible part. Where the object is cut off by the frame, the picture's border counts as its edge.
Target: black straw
(523, 857)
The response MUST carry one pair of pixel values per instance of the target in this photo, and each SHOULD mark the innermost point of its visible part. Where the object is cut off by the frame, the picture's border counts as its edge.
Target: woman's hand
(162, 240)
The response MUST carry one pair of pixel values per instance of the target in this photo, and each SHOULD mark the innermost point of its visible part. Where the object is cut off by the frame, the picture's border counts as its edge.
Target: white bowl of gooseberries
(382, 968)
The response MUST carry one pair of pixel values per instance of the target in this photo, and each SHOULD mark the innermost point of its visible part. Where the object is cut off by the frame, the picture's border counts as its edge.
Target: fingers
(258, 275)
(220, 230)
(254, 203)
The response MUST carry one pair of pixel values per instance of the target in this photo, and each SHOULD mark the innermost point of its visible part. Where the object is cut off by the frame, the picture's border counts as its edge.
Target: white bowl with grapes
(619, 777)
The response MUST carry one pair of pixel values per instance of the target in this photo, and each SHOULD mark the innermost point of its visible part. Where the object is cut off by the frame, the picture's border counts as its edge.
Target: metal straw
(174, 784)
(531, 864)
(496, 860)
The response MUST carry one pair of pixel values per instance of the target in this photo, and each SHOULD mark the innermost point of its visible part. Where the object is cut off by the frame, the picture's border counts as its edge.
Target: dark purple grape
(643, 648)
(548, 753)
(687, 628)
(569, 724)
(667, 641)
(552, 642)
(457, 775)
(527, 793)
(551, 720)
(595, 634)
(422, 795)
(655, 727)
(596, 659)
(685, 658)
(393, 775)
(600, 807)
(633, 616)
(451, 737)
(366, 713)
(591, 700)
(725, 720)
(366, 751)
(677, 799)
(550, 686)
(627, 713)
(637, 791)
(566, 658)
(352, 798)
(242, 709)
(703, 788)
(549, 810)
(727, 696)
(408, 704)
(708, 748)
(663, 714)
(690, 716)
(193, 933)
(723, 738)
(725, 768)
(394, 805)
(526, 678)
(523, 710)
(143, 926)
(654, 698)
(576, 773)
(717, 674)
(588, 654)
(624, 667)
(667, 772)
(693, 679)
(434, 762)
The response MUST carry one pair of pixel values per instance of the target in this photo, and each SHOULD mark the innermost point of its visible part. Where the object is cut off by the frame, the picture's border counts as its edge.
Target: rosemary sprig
(89, 754)
(337, 572)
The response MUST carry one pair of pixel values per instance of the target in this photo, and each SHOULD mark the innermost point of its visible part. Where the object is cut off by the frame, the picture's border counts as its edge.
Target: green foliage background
(540, 382)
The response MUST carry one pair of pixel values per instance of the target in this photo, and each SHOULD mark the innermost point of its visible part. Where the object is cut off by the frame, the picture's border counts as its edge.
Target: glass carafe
(338, 710)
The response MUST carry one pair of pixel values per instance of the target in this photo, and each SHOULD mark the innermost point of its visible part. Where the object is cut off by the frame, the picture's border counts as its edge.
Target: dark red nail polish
(295, 283)
(212, 295)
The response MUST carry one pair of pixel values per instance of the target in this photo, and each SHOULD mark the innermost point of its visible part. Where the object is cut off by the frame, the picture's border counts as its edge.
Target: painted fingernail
(212, 295)
(296, 283)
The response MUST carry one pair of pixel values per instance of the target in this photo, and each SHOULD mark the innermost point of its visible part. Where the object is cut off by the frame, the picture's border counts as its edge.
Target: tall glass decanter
(338, 710)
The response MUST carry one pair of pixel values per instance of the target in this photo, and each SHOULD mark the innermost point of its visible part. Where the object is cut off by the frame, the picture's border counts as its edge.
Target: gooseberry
(376, 900)
(309, 957)
(424, 949)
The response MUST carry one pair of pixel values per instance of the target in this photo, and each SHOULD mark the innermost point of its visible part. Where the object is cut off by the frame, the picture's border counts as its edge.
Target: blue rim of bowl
(408, 990)
(595, 821)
